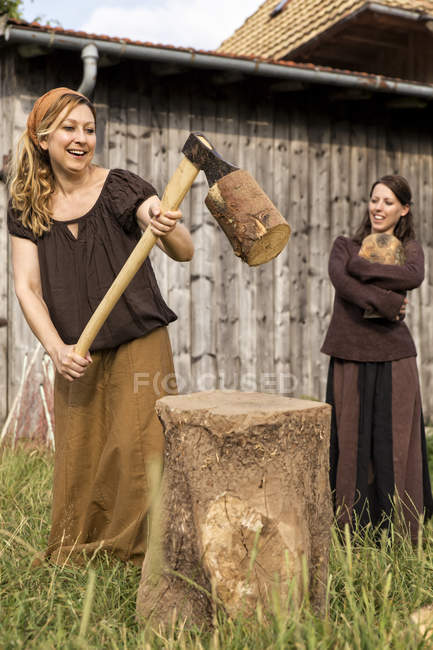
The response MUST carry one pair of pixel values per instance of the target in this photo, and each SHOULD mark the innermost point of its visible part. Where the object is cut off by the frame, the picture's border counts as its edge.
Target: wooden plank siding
(5, 145)
(227, 289)
(21, 341)
(240, 327)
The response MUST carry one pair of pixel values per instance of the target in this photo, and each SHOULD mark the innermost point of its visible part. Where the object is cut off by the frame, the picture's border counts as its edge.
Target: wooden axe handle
(178, 186)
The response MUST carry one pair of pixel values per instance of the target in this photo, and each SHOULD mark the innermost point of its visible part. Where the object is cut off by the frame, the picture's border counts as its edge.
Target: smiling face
(71, 144)
(385, 210)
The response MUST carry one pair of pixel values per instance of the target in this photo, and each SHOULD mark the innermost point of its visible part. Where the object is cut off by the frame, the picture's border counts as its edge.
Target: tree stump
(245, 505)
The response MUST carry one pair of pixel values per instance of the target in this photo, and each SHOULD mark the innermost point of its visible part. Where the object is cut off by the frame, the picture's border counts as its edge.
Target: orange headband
(42, 106)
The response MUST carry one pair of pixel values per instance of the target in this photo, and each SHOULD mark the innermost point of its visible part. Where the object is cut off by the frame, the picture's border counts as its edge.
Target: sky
(200, 24)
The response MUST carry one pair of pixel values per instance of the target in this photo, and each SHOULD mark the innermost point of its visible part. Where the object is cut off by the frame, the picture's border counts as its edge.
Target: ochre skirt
(378, 447)
(106, 434)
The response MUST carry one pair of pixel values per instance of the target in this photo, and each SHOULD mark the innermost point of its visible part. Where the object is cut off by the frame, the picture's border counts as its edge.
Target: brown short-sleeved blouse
(76, 272)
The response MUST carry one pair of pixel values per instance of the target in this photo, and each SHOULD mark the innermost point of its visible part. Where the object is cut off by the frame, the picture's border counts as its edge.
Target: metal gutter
(407, 14)
(292, 71)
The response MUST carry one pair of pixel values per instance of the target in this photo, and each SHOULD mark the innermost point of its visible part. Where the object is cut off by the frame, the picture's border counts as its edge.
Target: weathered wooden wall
(240, 327)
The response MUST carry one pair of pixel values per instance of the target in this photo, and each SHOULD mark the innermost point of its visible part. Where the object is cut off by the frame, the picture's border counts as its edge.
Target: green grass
(372, 589)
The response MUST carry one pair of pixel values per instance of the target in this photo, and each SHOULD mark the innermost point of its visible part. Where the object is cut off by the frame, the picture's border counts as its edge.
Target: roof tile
(299, 22)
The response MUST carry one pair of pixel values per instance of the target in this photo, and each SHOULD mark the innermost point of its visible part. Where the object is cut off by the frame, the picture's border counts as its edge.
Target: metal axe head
(255, 228)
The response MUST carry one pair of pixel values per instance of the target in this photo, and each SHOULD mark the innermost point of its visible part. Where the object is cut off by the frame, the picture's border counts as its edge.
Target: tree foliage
(11, 7)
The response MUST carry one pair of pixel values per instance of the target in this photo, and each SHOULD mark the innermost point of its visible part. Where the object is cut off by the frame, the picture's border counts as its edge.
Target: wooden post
(245, 505)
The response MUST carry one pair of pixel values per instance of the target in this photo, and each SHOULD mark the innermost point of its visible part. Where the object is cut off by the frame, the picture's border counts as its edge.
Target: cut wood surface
(245, 503)
(382, 248)
(253, 225)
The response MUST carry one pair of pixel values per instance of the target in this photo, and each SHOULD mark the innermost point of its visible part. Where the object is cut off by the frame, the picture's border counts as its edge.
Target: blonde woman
(72, 225)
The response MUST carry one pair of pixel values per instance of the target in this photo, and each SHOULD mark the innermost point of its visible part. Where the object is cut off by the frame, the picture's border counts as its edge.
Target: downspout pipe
(89, 55)
(294, 72)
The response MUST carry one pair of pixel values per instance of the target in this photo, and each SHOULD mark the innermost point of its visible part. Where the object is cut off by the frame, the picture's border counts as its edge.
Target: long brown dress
(107, 435)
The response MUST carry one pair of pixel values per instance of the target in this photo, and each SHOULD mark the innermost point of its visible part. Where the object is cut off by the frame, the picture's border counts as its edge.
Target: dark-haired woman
(378, 451)
(72, 226)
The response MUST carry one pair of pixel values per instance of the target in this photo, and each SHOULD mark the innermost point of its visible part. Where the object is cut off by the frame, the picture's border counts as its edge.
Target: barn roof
(47, 38)
(280, 27)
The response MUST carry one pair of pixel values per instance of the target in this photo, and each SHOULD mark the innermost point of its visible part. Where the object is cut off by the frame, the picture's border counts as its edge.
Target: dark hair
(404, 229)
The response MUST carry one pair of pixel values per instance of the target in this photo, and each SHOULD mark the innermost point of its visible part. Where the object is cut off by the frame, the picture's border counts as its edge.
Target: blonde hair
(31, 179)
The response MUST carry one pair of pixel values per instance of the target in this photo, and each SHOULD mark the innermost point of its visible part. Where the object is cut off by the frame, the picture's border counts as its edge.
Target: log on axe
(253, 225)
